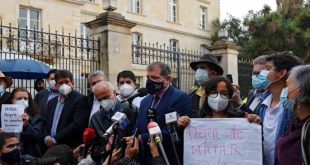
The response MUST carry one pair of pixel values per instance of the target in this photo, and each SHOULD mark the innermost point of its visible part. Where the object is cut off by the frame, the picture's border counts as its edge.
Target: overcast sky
(239, 8)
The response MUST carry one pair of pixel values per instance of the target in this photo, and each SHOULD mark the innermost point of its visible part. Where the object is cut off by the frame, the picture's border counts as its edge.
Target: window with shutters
(135, 6)
(203, 17)
(172, 11)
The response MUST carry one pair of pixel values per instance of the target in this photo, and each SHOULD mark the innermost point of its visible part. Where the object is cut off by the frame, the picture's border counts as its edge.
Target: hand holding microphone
(88, 137)
(120, 120)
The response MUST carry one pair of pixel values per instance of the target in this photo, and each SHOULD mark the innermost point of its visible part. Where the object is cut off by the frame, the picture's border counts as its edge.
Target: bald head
(104, 90)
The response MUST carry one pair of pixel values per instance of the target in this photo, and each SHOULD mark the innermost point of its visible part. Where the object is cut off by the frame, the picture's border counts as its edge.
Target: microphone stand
(158, 142)
(173, 140)
(115, 133)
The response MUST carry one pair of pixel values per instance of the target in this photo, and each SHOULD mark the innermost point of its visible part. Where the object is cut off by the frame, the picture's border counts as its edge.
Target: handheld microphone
(120, 120)
(154, 130)
(139, 93)
(88, 137)
(171, 120)
(151, 115)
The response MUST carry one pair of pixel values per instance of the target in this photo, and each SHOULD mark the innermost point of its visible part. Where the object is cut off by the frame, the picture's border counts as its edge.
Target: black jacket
(41, 100)
(72, 122)
(101, 121)
(5, 98)
(195, 104)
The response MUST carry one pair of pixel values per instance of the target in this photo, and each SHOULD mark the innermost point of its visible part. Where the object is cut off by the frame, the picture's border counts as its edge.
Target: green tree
(263, 32)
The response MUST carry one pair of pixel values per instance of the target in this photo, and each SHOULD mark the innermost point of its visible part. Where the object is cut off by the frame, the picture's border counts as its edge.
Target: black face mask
(38, 89)
(154, 86)
(12, 157)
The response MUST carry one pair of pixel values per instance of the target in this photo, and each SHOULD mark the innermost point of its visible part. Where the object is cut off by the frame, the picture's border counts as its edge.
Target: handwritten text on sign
(11, 118)
(222, 142)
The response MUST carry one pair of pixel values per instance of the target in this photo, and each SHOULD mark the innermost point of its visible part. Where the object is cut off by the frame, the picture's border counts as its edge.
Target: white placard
(226, 141)
(11, 118)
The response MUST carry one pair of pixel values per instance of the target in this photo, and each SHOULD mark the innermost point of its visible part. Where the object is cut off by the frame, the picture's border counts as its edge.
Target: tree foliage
(264, 32)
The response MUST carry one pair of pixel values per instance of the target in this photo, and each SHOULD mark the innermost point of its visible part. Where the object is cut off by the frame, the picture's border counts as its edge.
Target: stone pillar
(229, 57)
(114, 32)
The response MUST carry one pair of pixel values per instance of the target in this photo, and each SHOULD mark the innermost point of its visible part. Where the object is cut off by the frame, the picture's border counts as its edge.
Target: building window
(203, 49)
(135, 6)
(174, 46)
(203, 18)
(137, 43)
(29, 19)
(84, 31)
(172, 11)
(136, 38)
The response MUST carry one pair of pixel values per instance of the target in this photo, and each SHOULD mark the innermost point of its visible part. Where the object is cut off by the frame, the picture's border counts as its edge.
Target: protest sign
(11, 118)
(225, 141)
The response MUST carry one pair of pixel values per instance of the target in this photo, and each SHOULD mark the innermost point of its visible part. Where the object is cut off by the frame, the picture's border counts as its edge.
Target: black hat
(211, 61)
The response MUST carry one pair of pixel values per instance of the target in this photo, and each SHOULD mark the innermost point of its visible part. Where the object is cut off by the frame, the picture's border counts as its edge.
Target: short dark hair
(165, 69)
(126, 74)
(38, 81)
(284, 61)
(4, 136)
(62, 152)
(51, 72)
(63, 74)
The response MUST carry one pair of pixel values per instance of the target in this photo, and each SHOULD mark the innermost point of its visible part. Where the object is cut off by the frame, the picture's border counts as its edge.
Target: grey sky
(239, 8)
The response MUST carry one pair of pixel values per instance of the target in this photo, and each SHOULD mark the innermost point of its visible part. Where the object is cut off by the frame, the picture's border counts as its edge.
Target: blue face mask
(201, 76)
(261, 81)
(287, 103)
(1, 89)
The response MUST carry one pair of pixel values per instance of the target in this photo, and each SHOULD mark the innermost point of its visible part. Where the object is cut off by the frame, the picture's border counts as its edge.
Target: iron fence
(57, 50)
(177, 59)
(245, 76)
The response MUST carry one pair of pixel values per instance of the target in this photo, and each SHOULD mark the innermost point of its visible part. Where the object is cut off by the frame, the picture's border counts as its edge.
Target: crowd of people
(111, 125)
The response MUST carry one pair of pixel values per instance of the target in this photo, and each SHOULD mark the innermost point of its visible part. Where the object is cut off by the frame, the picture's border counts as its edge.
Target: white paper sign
(227, 141)
(11, 118)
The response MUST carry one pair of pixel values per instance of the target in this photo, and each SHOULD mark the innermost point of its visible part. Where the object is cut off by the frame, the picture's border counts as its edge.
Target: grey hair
(165, 69)
(96, 73)
(260, 60)
(301, 75)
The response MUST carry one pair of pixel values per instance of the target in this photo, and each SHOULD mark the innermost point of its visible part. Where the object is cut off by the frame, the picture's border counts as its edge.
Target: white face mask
(107, 104)
(52, 84)
(217, 104)
(64, 89)
(201, 76)
(126, 90)
(22, 102)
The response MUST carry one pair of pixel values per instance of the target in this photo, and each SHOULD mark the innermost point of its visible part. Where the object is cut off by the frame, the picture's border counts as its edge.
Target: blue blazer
(172, 99)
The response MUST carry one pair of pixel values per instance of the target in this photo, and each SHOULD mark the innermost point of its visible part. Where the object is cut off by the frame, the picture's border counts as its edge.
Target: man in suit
(162, 98)
(93, 78)
(46, 95)
(101, 120)
(67, 115)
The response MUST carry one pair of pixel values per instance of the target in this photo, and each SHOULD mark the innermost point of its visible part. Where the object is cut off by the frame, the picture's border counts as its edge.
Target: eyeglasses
(223, 94)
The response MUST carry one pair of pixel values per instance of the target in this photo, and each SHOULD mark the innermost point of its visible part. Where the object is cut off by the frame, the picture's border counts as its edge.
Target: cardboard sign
(222, 141)
(11, 118)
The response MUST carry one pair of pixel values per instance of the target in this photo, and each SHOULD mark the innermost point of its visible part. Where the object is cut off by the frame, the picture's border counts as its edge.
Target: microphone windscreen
(88, 135)
(142, 92)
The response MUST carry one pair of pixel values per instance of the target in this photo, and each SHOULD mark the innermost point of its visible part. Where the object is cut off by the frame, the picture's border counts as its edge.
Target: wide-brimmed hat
(211, 61)
(8, 80)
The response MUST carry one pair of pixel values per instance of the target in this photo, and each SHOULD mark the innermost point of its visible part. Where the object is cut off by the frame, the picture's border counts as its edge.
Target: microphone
(154, 130)
(171, 120)
(139, 93)
(88, 137)
(151, 115)
(120, 120)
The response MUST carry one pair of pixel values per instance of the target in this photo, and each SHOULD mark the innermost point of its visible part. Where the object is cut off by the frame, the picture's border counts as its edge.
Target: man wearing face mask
(161, 99)
(94, 77)
(126, 82)
(47, 94)
(10, 153)
(101, 120)
(67, 115)
(260, 84)
(276, 117)
(5, 82)
(206, 68)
